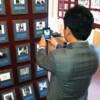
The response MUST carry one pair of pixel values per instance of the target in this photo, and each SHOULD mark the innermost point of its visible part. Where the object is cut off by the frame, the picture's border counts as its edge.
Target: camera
(47, 33)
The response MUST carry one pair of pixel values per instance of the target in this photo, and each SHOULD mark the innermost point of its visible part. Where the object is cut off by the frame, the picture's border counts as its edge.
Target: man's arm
(46, 61)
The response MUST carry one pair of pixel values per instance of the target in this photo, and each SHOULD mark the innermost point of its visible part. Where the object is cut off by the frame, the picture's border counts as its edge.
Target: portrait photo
(21, 27)
(40, 2)
(40, 25)
(27, 90)
(43, 85)
(8, 96)
(23, 50)
(3, 54)
(20, 2)
(2, 29)
(24, 71)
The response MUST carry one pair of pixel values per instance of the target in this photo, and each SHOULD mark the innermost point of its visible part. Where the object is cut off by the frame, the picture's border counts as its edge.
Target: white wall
(54, 23)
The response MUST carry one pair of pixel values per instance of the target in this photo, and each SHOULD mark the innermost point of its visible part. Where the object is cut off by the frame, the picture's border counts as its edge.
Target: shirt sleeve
(46, 61)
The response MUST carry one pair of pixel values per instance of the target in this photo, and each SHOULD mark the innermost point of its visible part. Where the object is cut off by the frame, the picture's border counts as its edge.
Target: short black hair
(80, 20)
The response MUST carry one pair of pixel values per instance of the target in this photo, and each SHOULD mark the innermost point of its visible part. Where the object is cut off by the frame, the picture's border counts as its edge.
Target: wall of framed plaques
(93, 5)
(21, 24)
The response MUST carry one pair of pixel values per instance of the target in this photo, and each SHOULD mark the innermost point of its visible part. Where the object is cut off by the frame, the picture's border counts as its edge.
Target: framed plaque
(95, 4)
(3, 32)
(39, 25)
(4, 57)
(84, 3)
(40, 71)
(23, 53)
(11, 95)
(42, 87)
(27, 92)
(24, 73)
(2, 7)
(6, 78)
(21, 30)
(40, 6)
(19, 6)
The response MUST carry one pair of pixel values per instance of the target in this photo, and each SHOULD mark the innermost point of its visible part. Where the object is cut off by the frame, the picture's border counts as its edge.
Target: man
(71, 67)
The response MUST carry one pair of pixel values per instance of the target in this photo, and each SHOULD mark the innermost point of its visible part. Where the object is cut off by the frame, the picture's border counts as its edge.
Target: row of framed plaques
(21, 29)
(24, 74)
(22, 54)
(92, 5)
(26, 91)
(21, 6)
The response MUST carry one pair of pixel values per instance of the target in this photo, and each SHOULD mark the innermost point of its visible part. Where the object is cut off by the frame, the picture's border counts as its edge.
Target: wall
(54, 23)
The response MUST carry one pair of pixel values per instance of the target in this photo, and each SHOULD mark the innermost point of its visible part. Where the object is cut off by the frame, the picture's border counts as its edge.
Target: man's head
(79, 21)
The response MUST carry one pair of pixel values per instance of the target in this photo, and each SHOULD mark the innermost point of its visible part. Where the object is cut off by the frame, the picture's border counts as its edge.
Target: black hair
(80, 21)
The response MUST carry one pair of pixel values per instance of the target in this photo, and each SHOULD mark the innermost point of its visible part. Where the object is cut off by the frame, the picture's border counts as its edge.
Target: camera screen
(47, 33)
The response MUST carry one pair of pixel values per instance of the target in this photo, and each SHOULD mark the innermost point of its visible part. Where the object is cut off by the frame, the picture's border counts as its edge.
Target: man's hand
(42, 42)
(53, 42)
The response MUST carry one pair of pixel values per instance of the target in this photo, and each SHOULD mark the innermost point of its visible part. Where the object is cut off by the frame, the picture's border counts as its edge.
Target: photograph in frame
(40, 6)
(39, 25)
(6, 78)
(11, 95)
(24, 73)
(19, 6)
(21, 30)
(2, 7)
(42, 87)
(23, 53)
(4, 57)
(3, 32)
(27, 92)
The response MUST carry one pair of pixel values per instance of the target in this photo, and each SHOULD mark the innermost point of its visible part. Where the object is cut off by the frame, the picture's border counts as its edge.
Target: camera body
(47, 32)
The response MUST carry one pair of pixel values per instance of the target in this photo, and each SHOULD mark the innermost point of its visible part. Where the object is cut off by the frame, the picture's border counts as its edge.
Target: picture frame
(2, 7)
(23, 53)
(42, 87)
(4, 57)
(6, 78)
(9, 95)
(40, 72)
(95, 4)
(27, 92)
(3, 32)
(19, 6)
(84, 3)
(40, 6)
(24, 73)
(21, 30)
(39, 25)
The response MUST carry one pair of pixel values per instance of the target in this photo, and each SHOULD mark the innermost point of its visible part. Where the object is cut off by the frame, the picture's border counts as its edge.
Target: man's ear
(67, 31)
